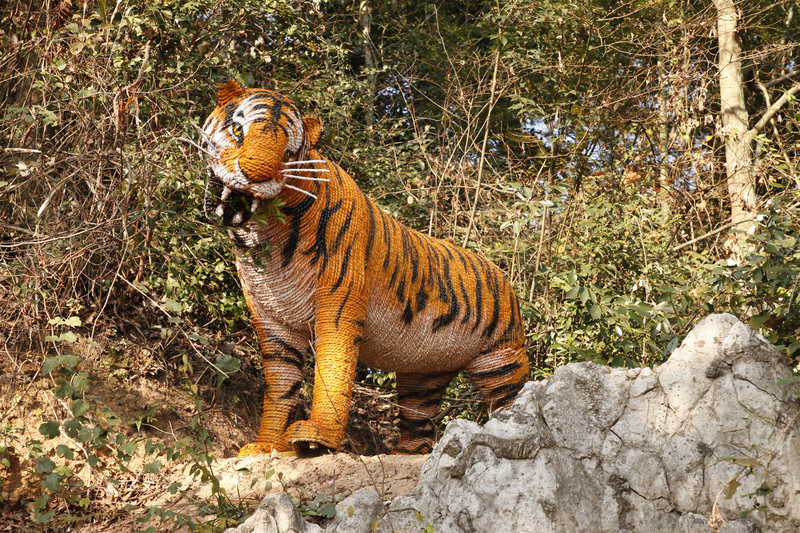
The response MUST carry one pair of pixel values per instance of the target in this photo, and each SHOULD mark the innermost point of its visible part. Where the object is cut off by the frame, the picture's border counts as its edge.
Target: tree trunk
(370, 64)
(739, 164)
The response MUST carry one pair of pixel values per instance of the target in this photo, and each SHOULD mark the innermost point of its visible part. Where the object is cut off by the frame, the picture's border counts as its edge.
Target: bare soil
(138, 384)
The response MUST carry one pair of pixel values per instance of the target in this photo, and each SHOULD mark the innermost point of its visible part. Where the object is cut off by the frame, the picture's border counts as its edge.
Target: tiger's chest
(282, 294)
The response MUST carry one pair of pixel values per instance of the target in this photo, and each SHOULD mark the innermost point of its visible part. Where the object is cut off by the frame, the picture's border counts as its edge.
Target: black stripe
(414, 255)
(468, 310)
(341, 306)
(343, 229)
(394, 274)
(513, 391)
(478, 295)
(407, 315)
(286, 359)
(417, 449)
(442, 289)
(322, 228)
(511, 388)
(293, 390)
(445, 319)
(288, 347)
(371, 236)
(412, 424)
(501, 371)
(401, 290)
(345, 262)
(338, 170)
(493, 287)
(294, 214)
(422, 297)
(387, 240)
(509, 333)
(421, 393)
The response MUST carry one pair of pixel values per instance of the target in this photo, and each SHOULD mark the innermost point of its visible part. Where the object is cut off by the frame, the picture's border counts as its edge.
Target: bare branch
(774, 108)
(776, 81)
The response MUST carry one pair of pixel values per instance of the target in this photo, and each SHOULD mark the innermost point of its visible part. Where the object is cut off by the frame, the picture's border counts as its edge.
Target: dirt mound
(155, 411)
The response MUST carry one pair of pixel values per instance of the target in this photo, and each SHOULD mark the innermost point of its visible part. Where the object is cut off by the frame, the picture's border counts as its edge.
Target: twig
(483, 146)
(773, 109)
(709, 234)
(160, 308)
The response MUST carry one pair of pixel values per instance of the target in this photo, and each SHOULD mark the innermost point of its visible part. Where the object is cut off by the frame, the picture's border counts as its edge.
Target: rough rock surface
(706, 442)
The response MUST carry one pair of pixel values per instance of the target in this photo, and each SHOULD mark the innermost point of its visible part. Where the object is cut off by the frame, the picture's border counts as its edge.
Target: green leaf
(50, 429)
(731, 488)
(44, 465)
(227, 364)
(73, 321)
(128, 448)
(52, 481)
(199, 338)
(153, 467)
(172, 306)
(789, 381)
(79, 407)
(572, 293)
(65, 451)
(81, 382)
(583, 293)
(758, 321)
(328, 510)
(595, 311)
(51, 363)
(73, 428)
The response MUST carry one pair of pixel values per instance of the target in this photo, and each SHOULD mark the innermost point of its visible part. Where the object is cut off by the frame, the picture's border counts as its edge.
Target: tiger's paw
(309, 439)
(258, 448)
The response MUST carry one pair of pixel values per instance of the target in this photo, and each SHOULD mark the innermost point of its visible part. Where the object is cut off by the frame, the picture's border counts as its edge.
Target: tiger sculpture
(348, 281)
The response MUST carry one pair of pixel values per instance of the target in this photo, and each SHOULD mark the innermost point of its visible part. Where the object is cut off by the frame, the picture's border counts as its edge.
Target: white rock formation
(708, 441)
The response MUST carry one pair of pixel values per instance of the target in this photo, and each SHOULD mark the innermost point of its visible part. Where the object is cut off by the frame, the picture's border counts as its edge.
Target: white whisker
(189, 141)
(225, 193)
(254, 205)
(202, 132)
(294, 163)
(304, 170)
(305, 178)
(312, 195)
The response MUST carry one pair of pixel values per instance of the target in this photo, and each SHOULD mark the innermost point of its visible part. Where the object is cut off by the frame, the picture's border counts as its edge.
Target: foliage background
(576, 144)
(569, 142)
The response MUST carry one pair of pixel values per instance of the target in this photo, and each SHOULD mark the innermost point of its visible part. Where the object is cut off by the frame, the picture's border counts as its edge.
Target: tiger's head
(256, 141)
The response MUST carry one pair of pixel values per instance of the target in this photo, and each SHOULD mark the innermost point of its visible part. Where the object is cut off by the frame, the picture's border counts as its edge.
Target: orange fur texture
(347, 281)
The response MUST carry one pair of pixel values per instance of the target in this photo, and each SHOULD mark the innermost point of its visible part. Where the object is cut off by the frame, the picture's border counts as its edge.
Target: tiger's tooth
(225, 193)
(237, 218)
(254, 206)
(220, 210)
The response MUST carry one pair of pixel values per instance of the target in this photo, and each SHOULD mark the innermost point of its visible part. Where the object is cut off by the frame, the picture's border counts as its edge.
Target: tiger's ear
(228, 91)
(313, 127)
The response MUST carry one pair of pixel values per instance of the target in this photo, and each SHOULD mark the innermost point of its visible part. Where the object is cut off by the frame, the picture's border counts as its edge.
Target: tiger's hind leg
(419, 396)
(499, 375)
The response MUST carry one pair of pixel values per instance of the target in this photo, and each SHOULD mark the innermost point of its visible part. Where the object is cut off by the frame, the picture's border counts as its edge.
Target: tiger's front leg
(283, 358)
(339, 329)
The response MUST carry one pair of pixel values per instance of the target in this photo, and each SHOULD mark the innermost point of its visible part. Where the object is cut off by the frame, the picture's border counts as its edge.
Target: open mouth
(234, 208)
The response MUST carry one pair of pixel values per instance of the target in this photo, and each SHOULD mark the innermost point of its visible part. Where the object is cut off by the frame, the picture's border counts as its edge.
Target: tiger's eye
(238, 131)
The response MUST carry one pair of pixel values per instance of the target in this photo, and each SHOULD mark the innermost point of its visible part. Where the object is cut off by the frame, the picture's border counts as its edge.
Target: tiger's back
(346, 276)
